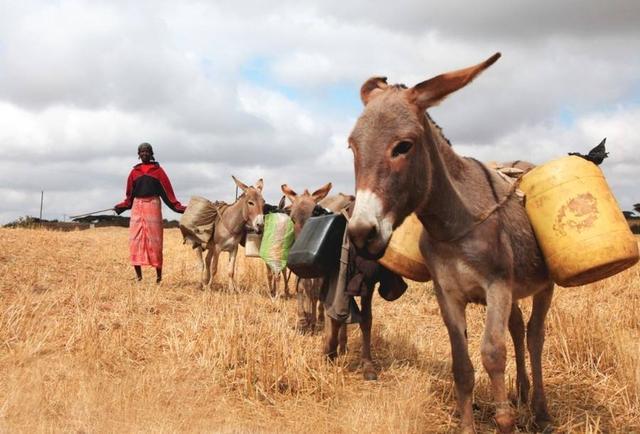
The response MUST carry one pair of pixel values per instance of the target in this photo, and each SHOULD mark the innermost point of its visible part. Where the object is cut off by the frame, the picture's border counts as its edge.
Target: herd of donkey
(480, 243)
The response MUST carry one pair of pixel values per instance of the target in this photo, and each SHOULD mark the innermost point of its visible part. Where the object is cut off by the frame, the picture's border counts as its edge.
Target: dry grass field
(84, 348)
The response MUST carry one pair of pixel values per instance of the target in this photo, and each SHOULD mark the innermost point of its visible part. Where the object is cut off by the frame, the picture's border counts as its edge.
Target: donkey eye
(251, 203)
(401, 148)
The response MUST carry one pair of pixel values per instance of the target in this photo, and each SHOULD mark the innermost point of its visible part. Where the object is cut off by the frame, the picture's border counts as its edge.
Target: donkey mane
(437, 127)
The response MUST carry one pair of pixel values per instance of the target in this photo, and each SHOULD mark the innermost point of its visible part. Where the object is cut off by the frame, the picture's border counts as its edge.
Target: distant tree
(636, 207)
(26, 221)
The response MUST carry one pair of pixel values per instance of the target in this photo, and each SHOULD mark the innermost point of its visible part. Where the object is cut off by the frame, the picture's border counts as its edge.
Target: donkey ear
(240, 184)
(432, 91)
(259, 185)
(371, 88)
(348, 197)
(321, 193)
(288, 192)
(282, 202)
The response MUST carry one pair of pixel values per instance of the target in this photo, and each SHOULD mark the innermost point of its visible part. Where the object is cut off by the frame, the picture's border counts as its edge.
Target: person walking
(146, 184)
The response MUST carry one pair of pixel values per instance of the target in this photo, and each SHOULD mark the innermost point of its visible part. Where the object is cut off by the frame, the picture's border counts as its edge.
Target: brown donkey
(231, 225)
(310, 311)
(478, 242)
(308, 290)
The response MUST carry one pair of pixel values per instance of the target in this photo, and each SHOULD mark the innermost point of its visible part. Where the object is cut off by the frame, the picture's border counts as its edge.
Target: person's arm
(168, 195)
(128, 201)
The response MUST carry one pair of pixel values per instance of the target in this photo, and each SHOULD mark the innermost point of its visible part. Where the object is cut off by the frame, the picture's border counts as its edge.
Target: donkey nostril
(362, 234)
(372, 233)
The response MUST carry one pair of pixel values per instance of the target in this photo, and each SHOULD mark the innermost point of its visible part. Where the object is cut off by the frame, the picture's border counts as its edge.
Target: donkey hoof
(369, 371)
(330, 355)
(505, 419)
(370, 375)
(304, 329)
(543, 425)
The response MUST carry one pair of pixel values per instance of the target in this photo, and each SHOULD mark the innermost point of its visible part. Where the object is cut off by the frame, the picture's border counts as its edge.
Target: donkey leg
(276, 283)
(494, 352)
(301, 320)
(368, 370)
(342, 339)
(535, 342)
(232, 269)
(313, 307)
(516, 328)
(270, 281)
(304, 322)
(453, 314)
(320, 322)
(273, 285)
(331, 330)
(212, 263)
(286, 277)
(310, 301)
(205, 264)
(198, 253)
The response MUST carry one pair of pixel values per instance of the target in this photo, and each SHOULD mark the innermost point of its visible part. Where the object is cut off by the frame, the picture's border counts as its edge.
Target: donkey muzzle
(369, 228)
(365, 235)
(258, 223)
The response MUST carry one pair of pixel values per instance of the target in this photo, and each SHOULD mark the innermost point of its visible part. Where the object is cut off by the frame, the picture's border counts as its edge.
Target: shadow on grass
(399, 350)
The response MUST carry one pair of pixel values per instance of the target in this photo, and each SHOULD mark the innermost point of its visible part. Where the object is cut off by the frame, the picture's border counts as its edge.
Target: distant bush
(25, 222)
(99, 221)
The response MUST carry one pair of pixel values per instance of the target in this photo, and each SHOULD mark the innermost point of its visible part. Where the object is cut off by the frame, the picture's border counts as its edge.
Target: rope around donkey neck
(485, 215)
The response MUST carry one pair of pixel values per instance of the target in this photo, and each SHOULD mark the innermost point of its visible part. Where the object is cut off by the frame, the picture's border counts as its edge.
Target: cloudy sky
(270, 89)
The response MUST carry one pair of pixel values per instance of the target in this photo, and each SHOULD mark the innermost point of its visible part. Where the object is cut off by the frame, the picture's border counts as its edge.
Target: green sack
(277, 238)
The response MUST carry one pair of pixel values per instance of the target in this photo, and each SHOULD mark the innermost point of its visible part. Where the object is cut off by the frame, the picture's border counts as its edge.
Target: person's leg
(138, 269)
(158, 274)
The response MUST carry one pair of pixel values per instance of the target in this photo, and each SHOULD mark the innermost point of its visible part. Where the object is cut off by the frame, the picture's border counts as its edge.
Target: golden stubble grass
(84, 348)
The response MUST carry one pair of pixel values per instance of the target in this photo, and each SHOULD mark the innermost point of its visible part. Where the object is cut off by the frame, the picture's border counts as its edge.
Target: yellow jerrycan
(403, 252)
(583, 235)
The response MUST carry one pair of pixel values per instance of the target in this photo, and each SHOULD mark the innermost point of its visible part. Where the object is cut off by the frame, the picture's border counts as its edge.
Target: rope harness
(512, 178)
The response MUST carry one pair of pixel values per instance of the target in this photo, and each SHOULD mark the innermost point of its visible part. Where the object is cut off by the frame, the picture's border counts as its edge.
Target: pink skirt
(145, 232)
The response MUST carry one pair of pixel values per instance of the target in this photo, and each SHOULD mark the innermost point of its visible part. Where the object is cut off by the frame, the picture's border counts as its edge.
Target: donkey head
(302, 205)
(391, 149)
(253, 204)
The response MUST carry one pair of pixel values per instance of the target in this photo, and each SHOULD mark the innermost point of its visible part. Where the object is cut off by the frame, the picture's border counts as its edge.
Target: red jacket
(149, 180)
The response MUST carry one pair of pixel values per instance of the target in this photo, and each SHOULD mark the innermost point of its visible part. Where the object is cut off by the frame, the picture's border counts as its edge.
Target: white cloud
(83, 82)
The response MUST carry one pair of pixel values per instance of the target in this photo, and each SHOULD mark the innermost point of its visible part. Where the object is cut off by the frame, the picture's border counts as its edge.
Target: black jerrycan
(316, 250)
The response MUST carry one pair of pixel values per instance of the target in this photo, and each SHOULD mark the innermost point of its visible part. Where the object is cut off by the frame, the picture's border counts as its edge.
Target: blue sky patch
(342, 99)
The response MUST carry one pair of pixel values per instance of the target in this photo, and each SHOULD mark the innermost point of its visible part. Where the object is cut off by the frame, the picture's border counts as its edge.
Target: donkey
(310, 311)
(230, 227)
(478, 242)
(302, 207)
